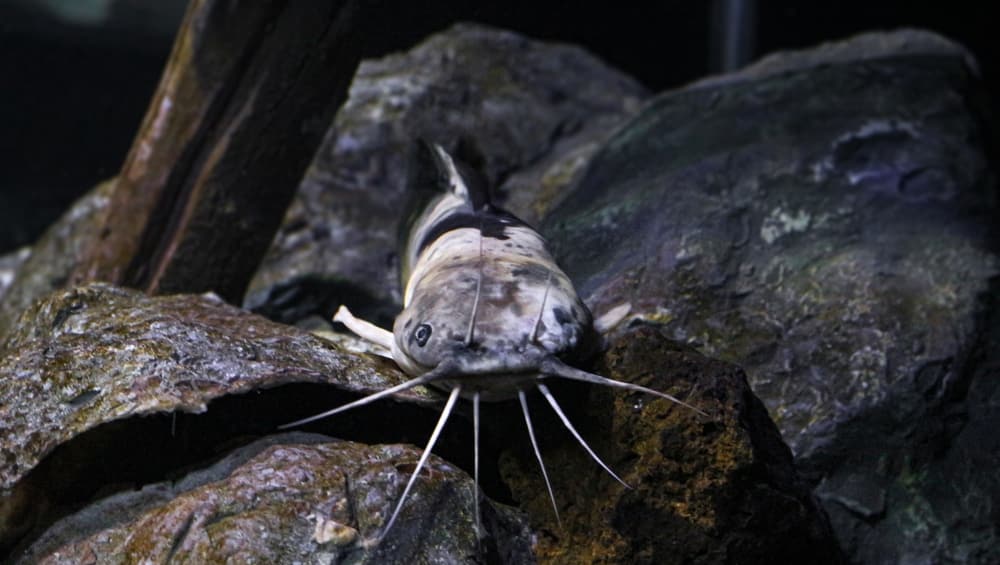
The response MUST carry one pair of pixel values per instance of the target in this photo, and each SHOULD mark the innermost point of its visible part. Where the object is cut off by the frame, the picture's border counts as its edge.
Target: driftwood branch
(242, 105)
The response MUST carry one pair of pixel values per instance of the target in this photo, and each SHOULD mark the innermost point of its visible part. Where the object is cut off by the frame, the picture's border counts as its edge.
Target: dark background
(74, 93)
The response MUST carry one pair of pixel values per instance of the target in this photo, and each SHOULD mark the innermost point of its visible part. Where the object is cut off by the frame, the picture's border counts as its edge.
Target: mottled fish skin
(526, 309)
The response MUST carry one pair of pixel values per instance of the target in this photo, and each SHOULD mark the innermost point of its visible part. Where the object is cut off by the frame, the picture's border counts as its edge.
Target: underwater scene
(380, 282)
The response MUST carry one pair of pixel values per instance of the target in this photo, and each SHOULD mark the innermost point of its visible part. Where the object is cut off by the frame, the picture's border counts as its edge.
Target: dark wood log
(244, 101)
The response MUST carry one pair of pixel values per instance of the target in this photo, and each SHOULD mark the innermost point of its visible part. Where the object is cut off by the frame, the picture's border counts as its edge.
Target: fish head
(494, 333)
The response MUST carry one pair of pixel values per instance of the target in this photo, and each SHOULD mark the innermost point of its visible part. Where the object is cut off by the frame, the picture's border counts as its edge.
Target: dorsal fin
(453, 174)
(429, 176)
(449, 175)
(439, 183)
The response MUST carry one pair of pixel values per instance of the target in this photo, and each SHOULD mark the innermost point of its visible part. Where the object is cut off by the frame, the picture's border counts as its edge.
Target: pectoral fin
(364, 330)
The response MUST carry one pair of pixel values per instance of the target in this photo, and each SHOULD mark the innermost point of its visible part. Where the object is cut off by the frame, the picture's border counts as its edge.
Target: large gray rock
(526, 113)
(825, 220)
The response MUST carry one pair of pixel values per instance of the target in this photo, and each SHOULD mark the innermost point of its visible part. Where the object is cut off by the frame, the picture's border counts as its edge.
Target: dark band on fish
(490, 221)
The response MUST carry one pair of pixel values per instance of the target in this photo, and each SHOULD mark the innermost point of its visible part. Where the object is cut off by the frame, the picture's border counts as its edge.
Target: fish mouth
(493, 361)
(494, 374)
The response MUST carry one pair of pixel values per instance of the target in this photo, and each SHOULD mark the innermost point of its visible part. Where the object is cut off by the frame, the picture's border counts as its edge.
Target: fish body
(482, 291)
(487, 314)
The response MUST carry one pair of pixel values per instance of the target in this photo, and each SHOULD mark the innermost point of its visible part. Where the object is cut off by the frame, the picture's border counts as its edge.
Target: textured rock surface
(288, 498)
(82, 359)
(716, 489)
(100, 353)
(82, 363)
(527, 114)
(54, 256)
(824, 221)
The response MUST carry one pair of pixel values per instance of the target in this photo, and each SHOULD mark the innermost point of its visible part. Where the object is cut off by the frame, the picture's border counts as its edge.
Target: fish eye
(422, 334)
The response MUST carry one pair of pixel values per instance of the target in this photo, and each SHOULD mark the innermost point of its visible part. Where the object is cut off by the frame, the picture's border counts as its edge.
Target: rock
(860, 48)
(84, 476)
(714, 489)
(10, 264)
(287, 498)
(527, 114)
(81, 365)
(824, 220)
(53, 257)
